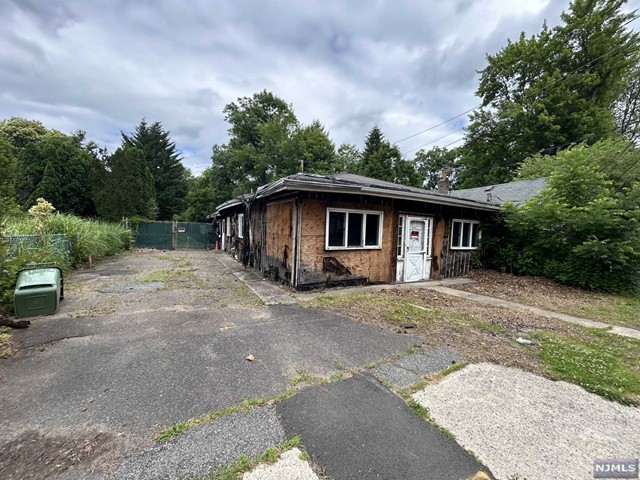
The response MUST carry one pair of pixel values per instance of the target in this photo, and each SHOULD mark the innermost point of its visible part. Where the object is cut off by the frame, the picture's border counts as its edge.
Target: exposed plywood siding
(279, 240)
(375, 265)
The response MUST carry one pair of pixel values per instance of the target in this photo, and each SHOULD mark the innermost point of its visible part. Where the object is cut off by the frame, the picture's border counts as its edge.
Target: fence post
(174, 235)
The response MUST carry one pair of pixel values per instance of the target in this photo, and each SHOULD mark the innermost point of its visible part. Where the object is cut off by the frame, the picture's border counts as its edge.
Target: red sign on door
(181, 229)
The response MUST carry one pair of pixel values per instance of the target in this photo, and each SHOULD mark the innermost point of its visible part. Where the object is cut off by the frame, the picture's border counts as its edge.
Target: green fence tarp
(174, 235)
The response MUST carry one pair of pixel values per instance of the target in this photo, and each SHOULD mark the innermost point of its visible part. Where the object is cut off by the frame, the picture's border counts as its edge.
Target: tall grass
(87, 238)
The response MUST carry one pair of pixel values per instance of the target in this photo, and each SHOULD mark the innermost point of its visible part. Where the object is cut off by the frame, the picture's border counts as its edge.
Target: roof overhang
(306, 185)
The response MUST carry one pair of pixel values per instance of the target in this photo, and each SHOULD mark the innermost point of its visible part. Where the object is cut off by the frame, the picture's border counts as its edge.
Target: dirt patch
(481, 333)
(36, 456)
(547, 294)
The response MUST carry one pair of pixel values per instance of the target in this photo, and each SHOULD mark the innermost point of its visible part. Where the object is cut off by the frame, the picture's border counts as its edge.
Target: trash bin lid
(38, 276)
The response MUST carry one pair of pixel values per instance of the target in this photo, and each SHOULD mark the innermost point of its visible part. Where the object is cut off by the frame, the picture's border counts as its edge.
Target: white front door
(417, 254)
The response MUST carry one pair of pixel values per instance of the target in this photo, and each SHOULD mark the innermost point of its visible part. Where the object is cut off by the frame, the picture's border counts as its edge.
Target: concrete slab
(397, 376)
(432, 360)
(290, 467)
(270, 293)
(357, 429)
(204, 448)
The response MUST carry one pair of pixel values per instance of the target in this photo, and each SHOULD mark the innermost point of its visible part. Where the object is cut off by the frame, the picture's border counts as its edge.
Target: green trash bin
(38, 291)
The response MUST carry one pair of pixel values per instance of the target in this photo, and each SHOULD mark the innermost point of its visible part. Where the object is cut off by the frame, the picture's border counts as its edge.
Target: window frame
(228, 229)
(241, 225)
(475, 226)
(364, 213)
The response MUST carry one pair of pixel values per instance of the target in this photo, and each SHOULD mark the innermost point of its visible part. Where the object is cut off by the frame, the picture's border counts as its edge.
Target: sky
(103, 65)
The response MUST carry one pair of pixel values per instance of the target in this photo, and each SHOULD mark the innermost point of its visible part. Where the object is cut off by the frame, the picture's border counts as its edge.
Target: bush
(580, 230)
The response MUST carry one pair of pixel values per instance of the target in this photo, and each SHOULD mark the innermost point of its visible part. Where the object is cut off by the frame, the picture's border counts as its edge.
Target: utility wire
(634, 18)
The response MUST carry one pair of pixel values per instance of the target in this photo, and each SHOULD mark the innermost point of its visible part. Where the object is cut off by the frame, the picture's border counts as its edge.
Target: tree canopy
(545, 92)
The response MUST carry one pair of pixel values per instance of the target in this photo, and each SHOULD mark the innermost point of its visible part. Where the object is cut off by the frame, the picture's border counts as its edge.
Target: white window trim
(476, 224)
(241, 225)
(228, 230)
(354, 210)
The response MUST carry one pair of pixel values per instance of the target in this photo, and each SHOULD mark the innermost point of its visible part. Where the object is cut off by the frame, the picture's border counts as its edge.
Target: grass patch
(245, 406)
(452, 368)
(600, 362)
(489, 327)
(303, 377)
(6, 345)
(169, 276)
(245, 464)
(619, 310)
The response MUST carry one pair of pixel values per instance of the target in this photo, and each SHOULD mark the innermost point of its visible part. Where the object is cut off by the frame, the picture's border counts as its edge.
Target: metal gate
(174, 235)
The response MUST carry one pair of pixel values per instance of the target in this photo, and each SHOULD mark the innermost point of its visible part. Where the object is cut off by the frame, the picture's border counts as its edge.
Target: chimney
(443, 183)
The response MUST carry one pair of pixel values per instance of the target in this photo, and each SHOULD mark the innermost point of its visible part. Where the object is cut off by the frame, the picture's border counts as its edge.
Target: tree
(128, 189)
(556, 88)
(381, 160)
(314, 149)
(347, 158)
(618, 159)
(627, 109)
(266, 143)
(21, 132)
(201, 197)
(55, 168)
(430, 163)
(7, 174)
(583, 229)
(165, 165)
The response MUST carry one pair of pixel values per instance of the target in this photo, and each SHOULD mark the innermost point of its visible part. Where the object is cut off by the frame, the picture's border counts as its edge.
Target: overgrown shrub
(86, 238)
(581, 230)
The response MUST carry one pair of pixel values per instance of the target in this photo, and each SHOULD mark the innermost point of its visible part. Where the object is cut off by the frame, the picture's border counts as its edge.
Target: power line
(432, 141)
(634, 18)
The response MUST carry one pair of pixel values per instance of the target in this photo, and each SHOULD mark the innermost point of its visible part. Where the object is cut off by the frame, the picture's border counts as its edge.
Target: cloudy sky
(102, 65)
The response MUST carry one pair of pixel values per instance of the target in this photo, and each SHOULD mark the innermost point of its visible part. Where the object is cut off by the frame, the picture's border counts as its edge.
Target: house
(514, 192)
(310, 230)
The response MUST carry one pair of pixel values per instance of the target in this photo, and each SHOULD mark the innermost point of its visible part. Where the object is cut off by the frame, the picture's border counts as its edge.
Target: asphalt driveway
(151, 338)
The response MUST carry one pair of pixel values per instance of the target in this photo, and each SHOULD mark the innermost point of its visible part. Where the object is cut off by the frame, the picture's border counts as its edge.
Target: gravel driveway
(521, 425)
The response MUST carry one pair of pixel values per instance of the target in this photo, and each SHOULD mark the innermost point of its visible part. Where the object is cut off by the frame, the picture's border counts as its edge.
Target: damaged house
(310, 230)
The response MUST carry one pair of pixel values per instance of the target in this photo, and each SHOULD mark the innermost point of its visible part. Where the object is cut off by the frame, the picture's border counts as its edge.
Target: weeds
(6, 345)
(245, 406)
(244, 464)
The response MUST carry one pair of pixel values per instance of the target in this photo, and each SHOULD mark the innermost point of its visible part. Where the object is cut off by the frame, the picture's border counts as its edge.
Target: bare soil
(550, 295)
(481, 333)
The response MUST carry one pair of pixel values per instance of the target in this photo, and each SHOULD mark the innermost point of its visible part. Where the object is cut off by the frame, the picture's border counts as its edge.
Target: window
(400, 236)
(228, 229)
(465, 234)
(240, 225)
(353, 229)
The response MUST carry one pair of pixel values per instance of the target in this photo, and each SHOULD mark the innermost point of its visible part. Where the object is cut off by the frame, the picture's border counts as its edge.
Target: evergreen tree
(128, 189)
(383, 161)
(165, 165)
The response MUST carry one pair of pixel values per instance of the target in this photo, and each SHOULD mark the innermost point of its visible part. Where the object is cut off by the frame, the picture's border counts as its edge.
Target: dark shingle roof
(357, 184)
(516, 192)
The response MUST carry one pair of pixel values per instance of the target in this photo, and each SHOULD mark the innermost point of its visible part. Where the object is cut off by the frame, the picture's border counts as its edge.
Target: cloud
(102, 65)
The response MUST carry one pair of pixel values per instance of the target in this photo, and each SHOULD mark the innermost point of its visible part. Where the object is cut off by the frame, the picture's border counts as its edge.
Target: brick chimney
(443, 183)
